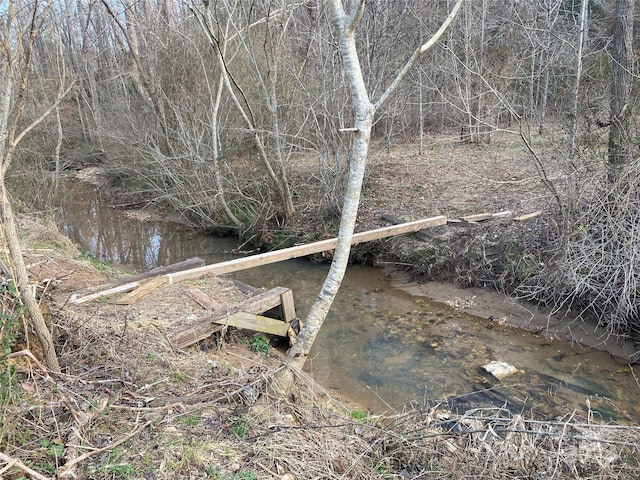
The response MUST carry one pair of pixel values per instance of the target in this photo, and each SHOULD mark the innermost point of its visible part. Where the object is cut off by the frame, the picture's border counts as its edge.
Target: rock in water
(500, 370)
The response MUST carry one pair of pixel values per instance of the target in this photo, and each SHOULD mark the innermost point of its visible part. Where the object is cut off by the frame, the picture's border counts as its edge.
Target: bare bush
(596, 269)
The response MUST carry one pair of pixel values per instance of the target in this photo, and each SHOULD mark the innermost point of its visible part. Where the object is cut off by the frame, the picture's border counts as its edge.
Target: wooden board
(257, 323)
(420, 234)
(203, 299)
(175, 267)
(303, 250)
(142, 290)
(202, 328)
(528, 216)
(288, 306)
(506, 213)
(119, 289)
(480, 217)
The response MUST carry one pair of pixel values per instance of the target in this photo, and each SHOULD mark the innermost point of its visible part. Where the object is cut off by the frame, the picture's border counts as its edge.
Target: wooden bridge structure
(249, 313)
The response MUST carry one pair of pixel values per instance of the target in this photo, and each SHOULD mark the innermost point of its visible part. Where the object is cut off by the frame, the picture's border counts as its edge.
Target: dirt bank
(129, 406)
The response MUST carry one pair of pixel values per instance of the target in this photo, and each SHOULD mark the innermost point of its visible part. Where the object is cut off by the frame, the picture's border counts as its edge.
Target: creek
(380, 347)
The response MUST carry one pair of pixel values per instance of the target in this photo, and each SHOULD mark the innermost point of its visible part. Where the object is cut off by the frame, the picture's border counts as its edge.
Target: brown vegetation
(217, 127)
(129, 406)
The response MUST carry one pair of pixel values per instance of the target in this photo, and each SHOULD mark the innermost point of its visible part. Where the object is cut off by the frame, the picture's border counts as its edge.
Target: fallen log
(246, 288)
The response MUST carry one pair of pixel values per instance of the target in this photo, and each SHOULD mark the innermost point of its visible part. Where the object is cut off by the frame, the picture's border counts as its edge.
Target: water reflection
(115, 236)
(380, 346)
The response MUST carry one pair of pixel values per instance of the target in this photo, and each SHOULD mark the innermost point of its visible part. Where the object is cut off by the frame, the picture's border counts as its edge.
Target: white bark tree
(345, 25)
(575, 94)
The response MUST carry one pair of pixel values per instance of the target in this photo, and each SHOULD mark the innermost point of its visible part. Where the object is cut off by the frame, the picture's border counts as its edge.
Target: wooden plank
(303, 250)
(203, 299)
(142, 290)
(202, 328)
(506, 213)
(420, 234)
(288, 306)
(175, 267)
(258, 323)
(528, 216)
(480, 217)
(119, 289)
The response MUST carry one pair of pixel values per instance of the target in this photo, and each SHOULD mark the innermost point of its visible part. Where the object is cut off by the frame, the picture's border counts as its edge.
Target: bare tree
(621, 80)
(345, 25)
(21, 25)
(575, 93)
(210, 21)
(144, 76)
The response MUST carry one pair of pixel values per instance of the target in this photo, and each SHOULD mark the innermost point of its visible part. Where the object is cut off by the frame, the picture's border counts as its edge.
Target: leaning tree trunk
(621, 79)
(364, 112)
(17, 45)
(21, 279)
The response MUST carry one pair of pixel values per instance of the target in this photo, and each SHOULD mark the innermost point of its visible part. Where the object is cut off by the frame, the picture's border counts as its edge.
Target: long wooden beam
(184, 265)
(303, 250)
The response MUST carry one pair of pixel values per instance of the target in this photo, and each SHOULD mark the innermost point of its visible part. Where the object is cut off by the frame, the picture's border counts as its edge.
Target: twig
(81, 419)
(8, 466)
(634, 375)
(162, 332)
(27, 353)
(69, 465)
(14, 462)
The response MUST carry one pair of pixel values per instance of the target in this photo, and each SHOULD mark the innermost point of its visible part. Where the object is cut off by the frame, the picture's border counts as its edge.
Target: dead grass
(190, 417)
(129, 406)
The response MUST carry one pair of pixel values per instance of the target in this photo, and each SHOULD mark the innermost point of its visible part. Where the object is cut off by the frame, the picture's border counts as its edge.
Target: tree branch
(52, 107)
(418, 53)
(355, 17)
(14, 462)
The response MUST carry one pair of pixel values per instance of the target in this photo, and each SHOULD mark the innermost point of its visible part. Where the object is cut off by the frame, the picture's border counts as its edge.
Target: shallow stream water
(380, 347)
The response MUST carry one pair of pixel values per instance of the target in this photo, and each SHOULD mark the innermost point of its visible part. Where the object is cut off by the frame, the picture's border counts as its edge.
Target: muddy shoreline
(490, 304)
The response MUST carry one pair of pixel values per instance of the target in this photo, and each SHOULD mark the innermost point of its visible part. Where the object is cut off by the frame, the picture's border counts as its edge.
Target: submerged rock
(500, 370)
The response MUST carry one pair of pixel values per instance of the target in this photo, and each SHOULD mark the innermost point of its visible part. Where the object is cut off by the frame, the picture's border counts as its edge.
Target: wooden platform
(246, 314)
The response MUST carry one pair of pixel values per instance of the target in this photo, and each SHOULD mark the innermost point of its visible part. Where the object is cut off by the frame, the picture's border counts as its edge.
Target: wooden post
(288, 306)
